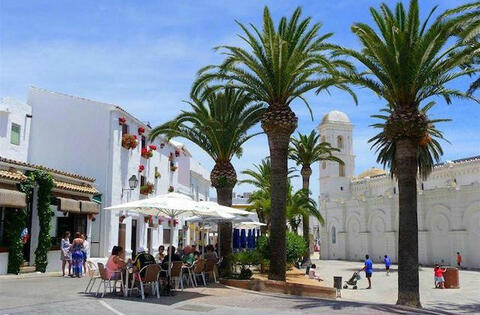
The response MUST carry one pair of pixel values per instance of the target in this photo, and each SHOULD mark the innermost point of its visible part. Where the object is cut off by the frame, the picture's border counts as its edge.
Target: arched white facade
(364, 209)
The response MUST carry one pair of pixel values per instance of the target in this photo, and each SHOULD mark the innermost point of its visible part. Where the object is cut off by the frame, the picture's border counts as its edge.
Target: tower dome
(335, 116)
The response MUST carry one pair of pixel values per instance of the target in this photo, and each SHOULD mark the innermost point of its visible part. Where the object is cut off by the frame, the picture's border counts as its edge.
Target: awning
(89, 207)
(12, 199)
(68, 205)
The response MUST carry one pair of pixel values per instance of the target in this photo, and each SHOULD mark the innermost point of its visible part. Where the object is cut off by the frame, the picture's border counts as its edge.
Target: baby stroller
(352, 281)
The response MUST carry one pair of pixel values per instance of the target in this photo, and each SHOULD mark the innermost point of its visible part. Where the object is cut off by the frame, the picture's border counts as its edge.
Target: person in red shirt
(438, 276)
(459, 260)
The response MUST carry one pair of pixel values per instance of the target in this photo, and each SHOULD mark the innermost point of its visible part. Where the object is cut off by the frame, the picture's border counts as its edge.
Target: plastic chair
(176, 273)
(92, 273)
(152, 274)
(199, 271)
(108, 280)
(210, 265)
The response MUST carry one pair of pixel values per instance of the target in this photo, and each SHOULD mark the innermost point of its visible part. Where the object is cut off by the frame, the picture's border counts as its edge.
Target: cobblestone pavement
(57, 295)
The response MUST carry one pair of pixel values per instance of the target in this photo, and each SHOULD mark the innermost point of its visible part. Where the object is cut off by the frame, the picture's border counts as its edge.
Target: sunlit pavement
(57, 295)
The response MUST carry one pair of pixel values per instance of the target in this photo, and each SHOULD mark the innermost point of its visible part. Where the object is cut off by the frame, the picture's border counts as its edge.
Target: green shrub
(295, 247)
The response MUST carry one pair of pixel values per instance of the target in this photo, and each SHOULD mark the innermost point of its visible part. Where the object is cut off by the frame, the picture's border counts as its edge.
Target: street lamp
(132, 182)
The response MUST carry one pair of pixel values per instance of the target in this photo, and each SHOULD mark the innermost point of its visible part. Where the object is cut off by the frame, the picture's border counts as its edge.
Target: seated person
(175, 257)
(312, 273)
(210, 252)
(141, 260)
(115, 263)
(188, 256)
(161, 254)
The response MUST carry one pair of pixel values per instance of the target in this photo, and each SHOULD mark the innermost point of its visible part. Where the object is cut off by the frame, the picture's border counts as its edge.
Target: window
(334, 235)
(324, 165)
(144, 142)
(166, 236)
(340, 142)
(142, 181)
(124, 129)
(15, 134)
(341, 170)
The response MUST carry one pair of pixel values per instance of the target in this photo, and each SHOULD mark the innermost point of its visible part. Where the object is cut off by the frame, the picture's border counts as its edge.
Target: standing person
(77, 255)
(86, 252)
(459, 260)
(386, 260)
(368, 267)
(66, 254)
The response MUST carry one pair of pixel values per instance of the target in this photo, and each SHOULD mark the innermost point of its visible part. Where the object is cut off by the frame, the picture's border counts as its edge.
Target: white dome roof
(335, 116)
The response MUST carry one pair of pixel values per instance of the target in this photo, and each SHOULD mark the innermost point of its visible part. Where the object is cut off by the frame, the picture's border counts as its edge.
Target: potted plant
(129, 141)
(175, 222)
(141, 130)
(141, 168)
(177, 153)
(146, 189)
(91, 216)
(147, 218)
(146, 154)
(157, 174)
(122, 218)
(170, 157)
(122, 120)
(152, 147)
(170, 189)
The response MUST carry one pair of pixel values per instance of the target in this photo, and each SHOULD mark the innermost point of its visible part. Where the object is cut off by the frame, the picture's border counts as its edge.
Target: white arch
(435, 211)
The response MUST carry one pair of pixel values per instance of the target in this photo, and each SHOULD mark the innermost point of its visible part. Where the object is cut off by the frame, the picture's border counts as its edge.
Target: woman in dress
(77, 255)
(65, 254)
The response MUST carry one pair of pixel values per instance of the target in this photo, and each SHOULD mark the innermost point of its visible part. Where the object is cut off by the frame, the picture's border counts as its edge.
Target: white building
(88, 137)
(361, 213)
(15, 119)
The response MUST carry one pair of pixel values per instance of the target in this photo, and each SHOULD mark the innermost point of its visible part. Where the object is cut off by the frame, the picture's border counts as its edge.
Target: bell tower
(335, 178)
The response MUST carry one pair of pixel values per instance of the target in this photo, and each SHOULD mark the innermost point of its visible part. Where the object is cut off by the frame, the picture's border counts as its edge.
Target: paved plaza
(57, 295)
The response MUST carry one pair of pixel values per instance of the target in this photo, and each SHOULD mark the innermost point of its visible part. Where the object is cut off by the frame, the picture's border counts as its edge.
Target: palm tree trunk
(408, 282)
(306, 224)
(279, 122)
(278, 154)
(224, 198)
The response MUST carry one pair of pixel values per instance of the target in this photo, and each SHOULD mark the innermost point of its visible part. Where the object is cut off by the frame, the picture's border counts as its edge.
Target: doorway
(122, 229)
(133, 242)
(149, 240)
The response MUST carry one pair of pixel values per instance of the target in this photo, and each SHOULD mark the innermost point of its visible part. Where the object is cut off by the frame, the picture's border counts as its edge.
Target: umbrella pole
(203, 239)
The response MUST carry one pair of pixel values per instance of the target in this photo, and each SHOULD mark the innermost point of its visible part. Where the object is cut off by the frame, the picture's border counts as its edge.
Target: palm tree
(299, 205)
(305, 151)
(467, 30)
(279, 66)
(407, 63)
(218, 122)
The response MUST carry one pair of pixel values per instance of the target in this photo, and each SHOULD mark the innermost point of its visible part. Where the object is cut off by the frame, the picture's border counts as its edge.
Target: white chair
(151, 278)
(92, 273)
(108, 280)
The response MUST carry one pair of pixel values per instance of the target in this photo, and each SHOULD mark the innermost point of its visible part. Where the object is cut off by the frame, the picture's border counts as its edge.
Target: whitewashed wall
(13, 111)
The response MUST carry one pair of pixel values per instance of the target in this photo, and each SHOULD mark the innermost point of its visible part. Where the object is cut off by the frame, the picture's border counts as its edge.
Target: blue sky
(143, 56)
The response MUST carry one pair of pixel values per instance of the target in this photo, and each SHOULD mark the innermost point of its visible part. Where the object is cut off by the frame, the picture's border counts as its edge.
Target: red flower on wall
(177, 153)
(141, 168)
(152, 147)
(141, 130)
(162, 145)
(122, 120)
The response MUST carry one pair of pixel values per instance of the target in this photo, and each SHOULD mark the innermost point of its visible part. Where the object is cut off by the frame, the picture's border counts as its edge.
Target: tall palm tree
(299, 205)
(305, 151)
(279, 65)
(407, 63)
(467, 29)
(218, 122)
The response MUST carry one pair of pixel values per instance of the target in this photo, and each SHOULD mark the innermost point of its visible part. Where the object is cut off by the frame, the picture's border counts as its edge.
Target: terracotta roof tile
(40, 167)
(74, 187)
(12, 175)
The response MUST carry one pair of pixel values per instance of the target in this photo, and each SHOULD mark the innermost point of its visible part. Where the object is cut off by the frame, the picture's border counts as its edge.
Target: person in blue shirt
(386, 260)
(368, 267)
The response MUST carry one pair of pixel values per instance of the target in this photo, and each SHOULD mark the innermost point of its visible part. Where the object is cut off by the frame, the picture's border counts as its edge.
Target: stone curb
(30, 275)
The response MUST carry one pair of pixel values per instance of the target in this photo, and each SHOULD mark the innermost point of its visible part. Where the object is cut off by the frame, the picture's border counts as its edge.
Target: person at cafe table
(141, 260)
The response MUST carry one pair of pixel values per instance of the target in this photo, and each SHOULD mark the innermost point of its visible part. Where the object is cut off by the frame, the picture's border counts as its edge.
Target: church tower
(336, 129)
